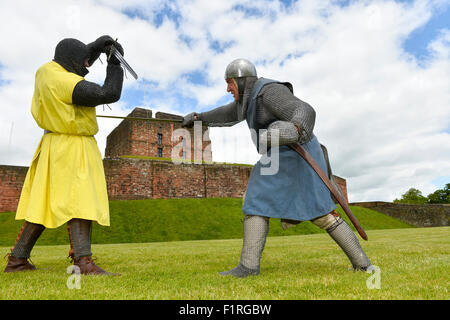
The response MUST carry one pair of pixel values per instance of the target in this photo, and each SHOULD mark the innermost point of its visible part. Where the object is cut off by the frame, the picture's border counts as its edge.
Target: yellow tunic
(66, 178)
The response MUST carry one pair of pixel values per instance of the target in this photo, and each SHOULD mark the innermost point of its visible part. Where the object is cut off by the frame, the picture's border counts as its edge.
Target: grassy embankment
(156, 220)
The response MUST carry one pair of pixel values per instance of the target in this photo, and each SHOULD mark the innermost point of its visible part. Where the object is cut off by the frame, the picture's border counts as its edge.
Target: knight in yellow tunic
(66, 180)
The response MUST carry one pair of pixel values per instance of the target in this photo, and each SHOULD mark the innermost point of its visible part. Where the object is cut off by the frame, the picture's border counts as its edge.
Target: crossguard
(116, 53)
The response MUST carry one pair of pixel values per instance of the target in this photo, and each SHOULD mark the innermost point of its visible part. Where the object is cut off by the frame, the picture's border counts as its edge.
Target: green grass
(184, 160)
(157, 220)
(413, 262)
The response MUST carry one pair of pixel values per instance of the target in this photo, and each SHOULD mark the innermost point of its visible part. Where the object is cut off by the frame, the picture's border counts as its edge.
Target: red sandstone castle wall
(140, 137)
(132, 179)
(343, 185)
(226, 181)
(11, 182)
(118, 141)
(143, 179)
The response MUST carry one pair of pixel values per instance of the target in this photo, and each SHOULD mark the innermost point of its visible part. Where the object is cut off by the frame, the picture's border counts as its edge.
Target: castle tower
(142, 135)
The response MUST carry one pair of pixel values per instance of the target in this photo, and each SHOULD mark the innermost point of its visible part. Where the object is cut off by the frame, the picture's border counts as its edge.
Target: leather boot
(88, 267)
(18, 264)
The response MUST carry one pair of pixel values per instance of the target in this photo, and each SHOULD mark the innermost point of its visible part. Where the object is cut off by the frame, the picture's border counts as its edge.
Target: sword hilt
(111, 49)
(118, 55)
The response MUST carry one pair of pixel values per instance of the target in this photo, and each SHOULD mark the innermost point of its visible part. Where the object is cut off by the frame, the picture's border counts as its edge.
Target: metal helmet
(240, 68)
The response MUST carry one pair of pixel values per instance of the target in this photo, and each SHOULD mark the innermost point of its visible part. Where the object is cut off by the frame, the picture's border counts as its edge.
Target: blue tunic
(295, 192)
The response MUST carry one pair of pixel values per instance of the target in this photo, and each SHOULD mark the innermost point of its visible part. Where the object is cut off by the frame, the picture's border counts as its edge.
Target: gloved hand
(188, 120)
(113, 59)
(102, 45)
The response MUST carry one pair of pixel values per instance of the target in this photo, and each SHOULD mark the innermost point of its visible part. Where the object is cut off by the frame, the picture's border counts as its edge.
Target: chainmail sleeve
(296, 118)
(90, 94)
(224, 116)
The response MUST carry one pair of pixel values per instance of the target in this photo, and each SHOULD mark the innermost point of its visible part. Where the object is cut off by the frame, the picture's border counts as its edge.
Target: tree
(440, 195)
(412, 196)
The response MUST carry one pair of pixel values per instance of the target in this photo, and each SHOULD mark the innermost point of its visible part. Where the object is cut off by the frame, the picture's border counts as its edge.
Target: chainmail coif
(71, 55)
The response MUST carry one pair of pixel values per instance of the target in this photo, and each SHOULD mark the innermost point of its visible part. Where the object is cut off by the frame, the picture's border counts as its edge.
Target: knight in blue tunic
(292, 191)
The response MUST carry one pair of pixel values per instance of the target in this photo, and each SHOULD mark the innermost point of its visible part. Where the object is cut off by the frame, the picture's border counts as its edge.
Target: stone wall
(145, 179)
(343, 185)
(11, 182)
(149, 138)
(132, 179)
(425, 215)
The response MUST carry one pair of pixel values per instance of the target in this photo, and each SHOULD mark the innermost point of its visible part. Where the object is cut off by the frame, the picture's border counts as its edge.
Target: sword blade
(119, 57)
(139, 118)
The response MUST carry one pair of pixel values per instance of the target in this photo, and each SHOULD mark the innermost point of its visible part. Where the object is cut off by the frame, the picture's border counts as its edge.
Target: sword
(119, 57)
(138, 118)
(305, 155)
(143, 119)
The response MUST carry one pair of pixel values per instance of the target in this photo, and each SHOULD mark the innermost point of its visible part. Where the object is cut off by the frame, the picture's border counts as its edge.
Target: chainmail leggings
(257, 227)
(80, 231)
(26, 240)
(254, 240)
(347, 240)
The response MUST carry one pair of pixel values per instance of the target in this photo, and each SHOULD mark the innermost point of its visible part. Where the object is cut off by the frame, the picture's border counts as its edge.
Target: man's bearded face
(233, 88)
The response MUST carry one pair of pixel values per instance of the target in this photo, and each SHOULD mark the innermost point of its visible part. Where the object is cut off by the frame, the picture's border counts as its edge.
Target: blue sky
(415, 44)
(418, 40)
(377, 73)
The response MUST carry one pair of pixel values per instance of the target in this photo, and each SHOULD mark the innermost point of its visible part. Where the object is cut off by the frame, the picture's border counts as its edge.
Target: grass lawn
(414, 264)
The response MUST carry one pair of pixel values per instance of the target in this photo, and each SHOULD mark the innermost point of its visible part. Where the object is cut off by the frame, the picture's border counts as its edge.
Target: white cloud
(383, 115)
